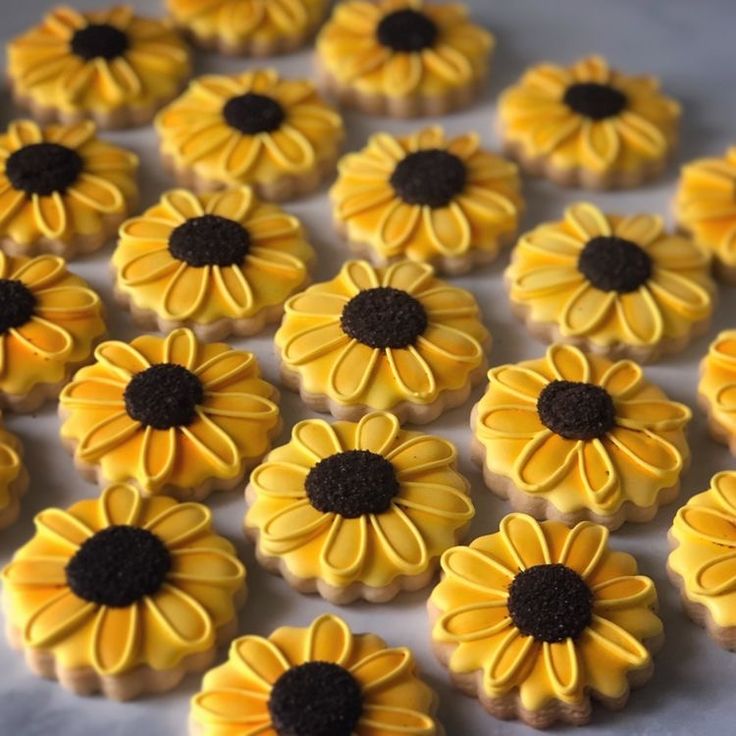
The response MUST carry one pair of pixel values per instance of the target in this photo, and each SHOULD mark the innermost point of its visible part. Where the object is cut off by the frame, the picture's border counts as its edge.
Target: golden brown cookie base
(17, 488)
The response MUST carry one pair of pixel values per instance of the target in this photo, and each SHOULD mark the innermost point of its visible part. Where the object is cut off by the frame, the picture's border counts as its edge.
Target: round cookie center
(163, 396)
(595, 101)
(432, 177)
(407, 31)
(352, 483)
(315, 699)
(550, 603)
(252, 113)
(99, 41)
(614, 264)
(118, 566)
(210, 240)
(17, 303)
(575, 410)
(384, 318)
(43, 168)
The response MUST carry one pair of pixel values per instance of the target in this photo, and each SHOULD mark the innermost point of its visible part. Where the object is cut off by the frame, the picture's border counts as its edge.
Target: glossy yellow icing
(312, 343)
(106, 186)
(349, 50)
(274, 268)
(364, 201)
(43, 68)
(643, 454)
(535, 118)
(11, 465)
(232, 427)
(425, 517)
(159, 630)
(717, 384)
(705, 557)
(705, 204)
(474, 617)
(194, 133)
(544, 279)
(234, 696)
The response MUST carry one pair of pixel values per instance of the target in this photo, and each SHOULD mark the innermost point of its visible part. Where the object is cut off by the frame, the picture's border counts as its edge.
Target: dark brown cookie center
(17, 303)
(252, 113)
(210, 240)
(432, 177)
(43, 168)
(99, 41)
(595, 101)
(575, 410)
(407, 31)
(614, 264)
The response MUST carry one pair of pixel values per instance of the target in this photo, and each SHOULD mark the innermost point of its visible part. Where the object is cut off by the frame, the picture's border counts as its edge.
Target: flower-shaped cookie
(575, 436)
(427, 198)
(62, 189)
(322, 679)
(403, 57)
(278, 135)
(538, 618)
(705, 207)
(253, 27)
(717, 388)
(110, 65)
(357, 510)
(589, 125)
(371, 338)
(218, 263)
(122, 594)
(172, 414)
(703, 559)
(13, 477)
(615, 285)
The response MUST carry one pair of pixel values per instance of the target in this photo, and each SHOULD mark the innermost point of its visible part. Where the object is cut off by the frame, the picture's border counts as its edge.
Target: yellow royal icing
(717, 386)
(11, 467)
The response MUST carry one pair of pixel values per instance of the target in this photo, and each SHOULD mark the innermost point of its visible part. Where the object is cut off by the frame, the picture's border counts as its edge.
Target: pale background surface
(688, 44)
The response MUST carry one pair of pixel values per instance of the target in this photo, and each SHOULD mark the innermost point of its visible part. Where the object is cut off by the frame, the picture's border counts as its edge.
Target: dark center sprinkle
(210, 240)
(352, 483)
(575, 410)
(252, 113)
(407, 31)
(595, 101)
(431, 177)
(550, 603)
(118, 566)
(614, 264)
(315, 699)
(43, 168)
(163, 396)
(17, 303)
(384, 318)
(99, 41)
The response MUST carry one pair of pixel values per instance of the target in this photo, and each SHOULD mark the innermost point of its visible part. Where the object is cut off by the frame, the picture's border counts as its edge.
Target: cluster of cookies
(128, 592)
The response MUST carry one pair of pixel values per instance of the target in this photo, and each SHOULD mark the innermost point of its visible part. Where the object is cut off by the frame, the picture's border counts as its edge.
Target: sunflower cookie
(573, 436)
(13, 477)
(705, 207)
(357, 510)
(538, 619)
(424, 197)
(219, 263)
(404, 58)
(620, 286)
(122, 595)
(62, 190)
(173, 415)
(588, 125)
(321, 679)
(109, 65)
(395, 339)
(277, 135)
(248, 27)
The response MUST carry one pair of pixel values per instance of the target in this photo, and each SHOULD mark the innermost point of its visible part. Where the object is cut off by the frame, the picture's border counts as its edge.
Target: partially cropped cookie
(574, 436)
(122, 595)
(396, 339)
(110, 65)
(619, 286)
(276, 135)
(717, 388)
(171, 415)
(403, 58)
(427, 197)
(357, 510)
(539, 619)
(221, 263)
(13, 477)
(589, 125)
(318, 680)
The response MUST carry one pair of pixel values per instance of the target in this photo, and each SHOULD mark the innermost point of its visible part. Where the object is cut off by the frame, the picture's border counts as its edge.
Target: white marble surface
(690, 45)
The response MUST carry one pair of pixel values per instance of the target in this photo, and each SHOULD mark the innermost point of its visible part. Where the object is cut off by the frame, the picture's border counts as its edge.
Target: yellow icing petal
(313, 304)
(179, 523)
(618, 642)
(448, 63)
(292, 526)
(97, 193)
(600, 144)
(479, 571)
(716, 576)
(121, 359)
(344, 551)
(411, 372)
(478, 201)
(473, 622)
(395, 720)
(157, 456)
(397, 225)
(66, 302)
(640, 229)
(50, 214)
(261, 661)
(563, 667)
(421, 454)
(24, 133)
(214, 443)
(641, 134)
(678, 254)
(653, 453)
(586, 309)
(545, 281)
(550, 78)
(205, 566)
(519, 382)
(446, 301)
(115, 639)
(509, 421)
(112, 431)
(364, 200)
(448, 228)
(640, 316)
(381, 668)
(290, 148)
(400, 540)
(435, 499)
(313, 342)
(628, 591)
(239, 405)
(408, 276)
(40, 272)
(42, 337)
(680, 292)
(120, 504)
(598, 475)
(622, 379)
(587, 221)
(544, 461)
(554, 133)
(62, 527)
(316, 438)
(568, 363)
(402, 74)
(509, 659)
(280, 480)
(592, 69)
(231, 707)
(180, 616)
(226, 367)
(525, 540)
(585, 546)
(148, 267)
(36, 572)
(549, 241)
(352, 370)
(709, 525)
(650, 414)
(180, 347)
(11, 200)
(56, 618)
(723, 485)
(377, 432)
(93, 393)
(328, 639)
